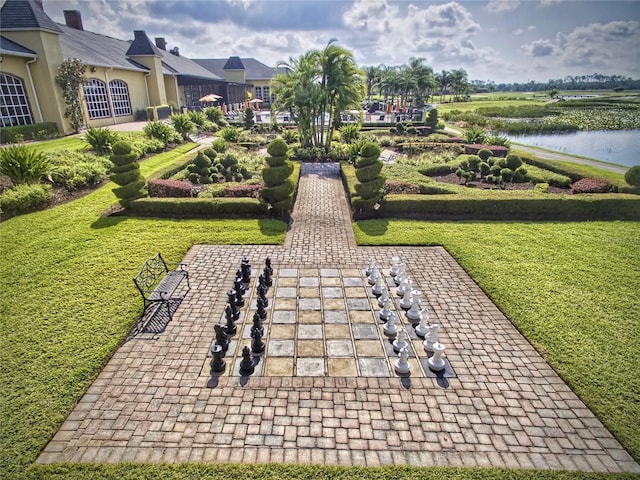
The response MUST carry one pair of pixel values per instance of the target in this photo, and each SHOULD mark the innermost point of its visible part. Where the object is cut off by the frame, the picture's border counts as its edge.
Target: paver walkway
(156, 400)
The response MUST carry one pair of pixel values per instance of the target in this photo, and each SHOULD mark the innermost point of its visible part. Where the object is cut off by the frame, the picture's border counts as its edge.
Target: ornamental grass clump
(279, 191)
(126, 174)
(370, 188)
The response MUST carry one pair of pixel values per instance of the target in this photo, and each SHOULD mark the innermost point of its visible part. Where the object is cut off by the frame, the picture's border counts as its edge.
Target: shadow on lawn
(374, 228)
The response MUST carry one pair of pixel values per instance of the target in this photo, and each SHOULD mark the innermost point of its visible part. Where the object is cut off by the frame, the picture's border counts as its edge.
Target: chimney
(73, 19)
(175, 51)
(39, 3)
(161, 43)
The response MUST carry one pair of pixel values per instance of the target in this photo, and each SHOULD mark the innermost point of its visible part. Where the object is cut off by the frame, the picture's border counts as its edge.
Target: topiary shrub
(513, 161)
(279, 191)
(484, 169)
(632, 176)
(591, 185)
(484, 154)
(520, 175)
(126, 174)
(506, 174)
(371, 187)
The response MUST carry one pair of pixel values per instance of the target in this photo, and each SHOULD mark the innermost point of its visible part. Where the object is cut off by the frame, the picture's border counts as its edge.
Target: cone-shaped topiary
(126, 174)
(371, 187)
(279, 191)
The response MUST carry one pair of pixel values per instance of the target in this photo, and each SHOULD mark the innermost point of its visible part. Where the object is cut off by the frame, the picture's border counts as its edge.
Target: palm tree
(373, 80)
(424, 81)
(442, 79)
(459, 82)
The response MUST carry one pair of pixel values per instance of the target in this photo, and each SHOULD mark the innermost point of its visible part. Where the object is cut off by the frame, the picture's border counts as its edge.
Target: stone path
(156, 400)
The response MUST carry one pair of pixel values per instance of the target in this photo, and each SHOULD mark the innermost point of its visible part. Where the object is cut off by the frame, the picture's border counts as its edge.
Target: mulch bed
(452, 178)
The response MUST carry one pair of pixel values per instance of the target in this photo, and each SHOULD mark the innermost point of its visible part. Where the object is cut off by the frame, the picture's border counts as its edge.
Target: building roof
(183, 66)
(95, 49)
(254, 70)
(233, 63)
(142, 45)
(9, 47)
(18, 15)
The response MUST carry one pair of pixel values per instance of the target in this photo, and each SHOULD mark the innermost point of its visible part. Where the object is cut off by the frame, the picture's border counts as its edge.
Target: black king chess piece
(231, 328)
(217, 362)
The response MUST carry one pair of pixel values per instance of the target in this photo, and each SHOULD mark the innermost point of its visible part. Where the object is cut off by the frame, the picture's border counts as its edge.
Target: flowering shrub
(169, 188)
(591, 185)
(242, 190)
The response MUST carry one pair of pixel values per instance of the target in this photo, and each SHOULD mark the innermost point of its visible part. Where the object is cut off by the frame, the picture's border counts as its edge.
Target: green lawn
(74, 142)
(571, 288)
(68, 301)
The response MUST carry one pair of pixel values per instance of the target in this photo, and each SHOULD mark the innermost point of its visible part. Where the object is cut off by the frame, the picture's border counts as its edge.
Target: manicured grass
(571, 288)
(74, 142)
(479, 103)
(299, 472)
(68, 301)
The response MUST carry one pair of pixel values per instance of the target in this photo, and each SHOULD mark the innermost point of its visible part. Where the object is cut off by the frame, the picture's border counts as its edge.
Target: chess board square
(351, 272)
(342, 367)
(281, 348)
(329, 272)
(369, 348)
(364, 332)
(246, 331)
(352, 282)
(373, 367)
(334, 330)
(310, 316)
(286, 292)
(283, 316)
(286, 282)
(278, 367)
(310, 332)
(339, 348)
(286, 303)
(358, 304)
(310, 367)
(390, 349)
(446, 373)
(361, 316)
(283, 331)
(333, 304)
(309, 304)
(332, 292)
(354, 292)
(330, 282)
(288, 272)
(309, 292)
(308, 272)
(310, 348)
(309, 282)
(335, 316)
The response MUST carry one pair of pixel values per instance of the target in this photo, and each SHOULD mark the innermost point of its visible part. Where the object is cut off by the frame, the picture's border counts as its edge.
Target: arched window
(14, 104)
(95, 94)
(120, 98)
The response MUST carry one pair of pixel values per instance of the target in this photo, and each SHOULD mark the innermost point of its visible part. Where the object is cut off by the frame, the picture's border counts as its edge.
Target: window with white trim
(265, 94)
(258, 93)
(120, 98)
(95, 94)
(14, 104)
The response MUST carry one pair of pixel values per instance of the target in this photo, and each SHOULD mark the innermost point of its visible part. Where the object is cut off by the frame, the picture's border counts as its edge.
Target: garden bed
(453, 179)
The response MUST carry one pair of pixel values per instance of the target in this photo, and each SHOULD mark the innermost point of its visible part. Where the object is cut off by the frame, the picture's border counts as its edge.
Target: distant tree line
(595, 81)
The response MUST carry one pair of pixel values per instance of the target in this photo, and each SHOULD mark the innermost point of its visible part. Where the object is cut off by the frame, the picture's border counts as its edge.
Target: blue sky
(500, 40)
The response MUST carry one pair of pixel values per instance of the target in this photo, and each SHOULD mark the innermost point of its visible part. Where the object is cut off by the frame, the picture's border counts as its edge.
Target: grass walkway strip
(571, 288)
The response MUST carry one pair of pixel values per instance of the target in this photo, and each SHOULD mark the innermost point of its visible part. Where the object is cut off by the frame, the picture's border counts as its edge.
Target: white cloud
(502, 5)
(548, 3)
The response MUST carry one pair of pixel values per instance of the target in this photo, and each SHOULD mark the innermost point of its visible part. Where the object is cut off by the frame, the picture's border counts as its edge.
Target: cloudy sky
(500, 40)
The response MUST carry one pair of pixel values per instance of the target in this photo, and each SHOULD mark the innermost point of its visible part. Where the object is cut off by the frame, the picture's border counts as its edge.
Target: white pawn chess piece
(414, 311)
(384, 296)
(423, 327)
(402, 365)
(406, 284)
(385, 313)
(379, 286)
(401, 341)
(375, 274)
(436, 362)
(370, 266)
(390, 327)
(395, 262)
(431, 337)
(400, 274)
(407, 299)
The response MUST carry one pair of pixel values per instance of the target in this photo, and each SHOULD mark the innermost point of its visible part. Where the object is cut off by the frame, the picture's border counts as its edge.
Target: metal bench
(157, 283)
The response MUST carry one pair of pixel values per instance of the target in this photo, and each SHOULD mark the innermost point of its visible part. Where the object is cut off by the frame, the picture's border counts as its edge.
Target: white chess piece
(370, 266)
(385, 313)
(431, 337)
(379, 286)
(384, 296)
(390, 327)
(406, 284)
(395, 261)
(407, 299)
(414, 311)
(400, 274)
(402, 365)
(423, 327)
(436, 362)
(401, 341)
(375, 274)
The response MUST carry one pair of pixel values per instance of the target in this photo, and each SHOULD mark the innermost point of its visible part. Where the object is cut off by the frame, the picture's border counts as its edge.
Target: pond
(614, 146)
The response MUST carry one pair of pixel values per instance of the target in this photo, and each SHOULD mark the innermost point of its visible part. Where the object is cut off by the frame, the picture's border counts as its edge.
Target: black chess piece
(245, 267)
(262, 295)
(257, 345)
(238, 285)
(239, 299)
(261, 311)
(231, 328)
(217, 362)
(257, 324)
(267, 277)
(246, 364)
(221, 337)
(267, 264)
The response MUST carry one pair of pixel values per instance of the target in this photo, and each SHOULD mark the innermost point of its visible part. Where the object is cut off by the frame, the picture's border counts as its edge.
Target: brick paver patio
(325, 391)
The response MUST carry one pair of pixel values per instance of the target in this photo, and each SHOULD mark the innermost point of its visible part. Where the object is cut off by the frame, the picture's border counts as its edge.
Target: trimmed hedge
(169, 188)
(198, 207)
(36, 131)
(23, 199)
(496, 150)
(526, 206)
